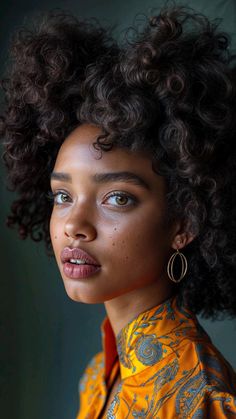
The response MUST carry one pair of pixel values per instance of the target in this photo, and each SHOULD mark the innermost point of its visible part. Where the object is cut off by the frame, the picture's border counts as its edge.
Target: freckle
(113, 244)
(55, 237)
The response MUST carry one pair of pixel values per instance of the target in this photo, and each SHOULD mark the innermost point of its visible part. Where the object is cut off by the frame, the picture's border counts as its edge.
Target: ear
(181, 236)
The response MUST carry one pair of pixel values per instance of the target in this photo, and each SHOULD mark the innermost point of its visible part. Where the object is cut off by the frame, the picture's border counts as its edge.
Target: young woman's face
(113, 208)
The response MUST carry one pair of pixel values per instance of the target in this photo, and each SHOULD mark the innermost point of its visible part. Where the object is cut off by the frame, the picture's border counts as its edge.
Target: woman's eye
(58, 198)
(120, 199)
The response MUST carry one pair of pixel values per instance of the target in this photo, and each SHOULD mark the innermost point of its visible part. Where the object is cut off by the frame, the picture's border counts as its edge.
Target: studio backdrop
(47, 339)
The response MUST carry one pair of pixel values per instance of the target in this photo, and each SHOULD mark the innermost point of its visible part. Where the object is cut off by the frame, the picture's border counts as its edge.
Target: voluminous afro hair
(42, 95)
(170, 91)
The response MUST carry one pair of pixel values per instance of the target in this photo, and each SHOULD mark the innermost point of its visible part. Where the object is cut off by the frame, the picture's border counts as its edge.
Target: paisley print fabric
(169, 369)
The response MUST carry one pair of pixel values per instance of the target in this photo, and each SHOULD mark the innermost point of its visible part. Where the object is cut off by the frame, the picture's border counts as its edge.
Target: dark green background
(46, 339)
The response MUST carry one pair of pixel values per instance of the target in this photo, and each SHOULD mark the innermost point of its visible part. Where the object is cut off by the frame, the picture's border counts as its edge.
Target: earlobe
(182, 240)
(181, 235)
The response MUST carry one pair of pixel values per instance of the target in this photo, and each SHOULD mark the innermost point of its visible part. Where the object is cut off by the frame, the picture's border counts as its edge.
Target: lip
(77, 253)
(79, 271)
(74, 271)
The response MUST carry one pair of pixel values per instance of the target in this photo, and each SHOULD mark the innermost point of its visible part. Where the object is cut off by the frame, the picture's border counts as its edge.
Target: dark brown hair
(170, 91)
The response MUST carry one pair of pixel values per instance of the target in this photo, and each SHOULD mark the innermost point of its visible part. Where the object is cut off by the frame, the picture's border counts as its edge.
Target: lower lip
(73, 271)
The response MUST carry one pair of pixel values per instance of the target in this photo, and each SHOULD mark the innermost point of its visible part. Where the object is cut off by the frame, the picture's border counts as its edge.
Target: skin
(128, 238)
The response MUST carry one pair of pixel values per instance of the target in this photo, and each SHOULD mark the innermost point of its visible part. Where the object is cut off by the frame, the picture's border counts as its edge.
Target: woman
(134, 147)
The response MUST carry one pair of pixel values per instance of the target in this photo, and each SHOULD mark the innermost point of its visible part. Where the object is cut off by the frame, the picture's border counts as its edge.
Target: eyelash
(122, 195)
(52, 196)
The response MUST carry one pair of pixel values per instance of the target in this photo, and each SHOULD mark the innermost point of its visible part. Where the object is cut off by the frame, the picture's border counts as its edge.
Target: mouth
(78, 256)
(78, 264)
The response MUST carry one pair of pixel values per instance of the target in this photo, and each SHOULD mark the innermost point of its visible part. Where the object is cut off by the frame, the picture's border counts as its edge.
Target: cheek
(133, 240)
(55, 230)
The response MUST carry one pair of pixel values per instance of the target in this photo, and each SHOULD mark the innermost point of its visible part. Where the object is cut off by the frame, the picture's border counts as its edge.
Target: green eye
(121, 199)
(63, 197)
(58, 198)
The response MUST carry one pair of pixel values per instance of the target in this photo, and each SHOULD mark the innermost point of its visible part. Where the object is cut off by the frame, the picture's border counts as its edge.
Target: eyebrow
(64, 177)
(128, 177)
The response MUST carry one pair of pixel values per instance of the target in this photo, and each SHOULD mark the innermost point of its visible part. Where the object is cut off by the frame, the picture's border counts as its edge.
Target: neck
(122, 309)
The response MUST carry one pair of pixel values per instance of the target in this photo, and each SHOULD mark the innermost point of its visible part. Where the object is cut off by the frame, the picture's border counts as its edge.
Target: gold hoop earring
(184, 266)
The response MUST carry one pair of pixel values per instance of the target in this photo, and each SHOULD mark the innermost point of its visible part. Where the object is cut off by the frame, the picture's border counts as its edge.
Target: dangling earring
(184, 266)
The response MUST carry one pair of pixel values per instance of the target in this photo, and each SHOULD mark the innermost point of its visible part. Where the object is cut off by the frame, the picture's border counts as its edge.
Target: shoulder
(210, 390)
(216, 404)
(193, 378)
(196, 352)
(213, 367)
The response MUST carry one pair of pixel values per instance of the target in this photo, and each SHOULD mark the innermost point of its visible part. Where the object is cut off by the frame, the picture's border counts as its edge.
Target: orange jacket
(169, 369)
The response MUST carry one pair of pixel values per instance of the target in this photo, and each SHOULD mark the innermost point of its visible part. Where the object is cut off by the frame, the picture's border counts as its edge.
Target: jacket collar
(148, 338)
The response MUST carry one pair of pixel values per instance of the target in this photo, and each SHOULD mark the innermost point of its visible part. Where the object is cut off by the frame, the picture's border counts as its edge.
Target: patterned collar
(149, 337)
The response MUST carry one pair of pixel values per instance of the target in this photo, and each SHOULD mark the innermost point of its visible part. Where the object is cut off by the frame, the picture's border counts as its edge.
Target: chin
(75, 293)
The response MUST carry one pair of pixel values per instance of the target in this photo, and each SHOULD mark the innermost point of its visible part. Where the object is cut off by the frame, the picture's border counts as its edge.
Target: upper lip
(77, 253)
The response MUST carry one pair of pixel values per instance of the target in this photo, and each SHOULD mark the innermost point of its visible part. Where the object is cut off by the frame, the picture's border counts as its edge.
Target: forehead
(78, 152)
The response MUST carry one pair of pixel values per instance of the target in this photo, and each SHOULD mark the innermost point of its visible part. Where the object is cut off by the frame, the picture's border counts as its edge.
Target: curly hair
(170, 91)
(42, 95)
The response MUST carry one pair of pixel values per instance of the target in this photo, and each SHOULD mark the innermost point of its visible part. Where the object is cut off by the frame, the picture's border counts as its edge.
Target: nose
(79, 224)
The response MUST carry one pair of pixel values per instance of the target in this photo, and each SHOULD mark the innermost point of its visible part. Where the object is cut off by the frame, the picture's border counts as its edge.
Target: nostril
(80, 235)
(76, 235)
(89, 233)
